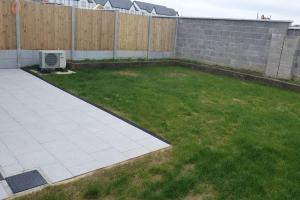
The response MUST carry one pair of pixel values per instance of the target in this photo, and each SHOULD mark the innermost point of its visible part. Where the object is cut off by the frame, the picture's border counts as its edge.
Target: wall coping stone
(293, 28)
(226, 19)
(236, 19)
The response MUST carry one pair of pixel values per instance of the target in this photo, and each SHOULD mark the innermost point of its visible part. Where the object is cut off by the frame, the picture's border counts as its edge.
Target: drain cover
(25, 181)
(1, 177)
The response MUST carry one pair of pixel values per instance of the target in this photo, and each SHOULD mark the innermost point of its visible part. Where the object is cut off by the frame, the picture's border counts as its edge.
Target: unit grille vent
(51, 59)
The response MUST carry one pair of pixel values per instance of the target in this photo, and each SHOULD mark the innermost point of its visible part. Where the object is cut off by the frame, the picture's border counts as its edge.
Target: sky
(277, 9)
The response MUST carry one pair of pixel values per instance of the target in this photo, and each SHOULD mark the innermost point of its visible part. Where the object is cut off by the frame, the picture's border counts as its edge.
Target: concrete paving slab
(4, 194)
(46, 129)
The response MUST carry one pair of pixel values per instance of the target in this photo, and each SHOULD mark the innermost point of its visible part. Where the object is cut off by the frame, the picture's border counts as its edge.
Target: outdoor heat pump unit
(51, 60)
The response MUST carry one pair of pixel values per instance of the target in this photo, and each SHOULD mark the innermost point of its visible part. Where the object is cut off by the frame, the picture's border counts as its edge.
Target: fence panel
(163, 34)
(133, 32)
(94, 30)
(45, 26)
(7, 25)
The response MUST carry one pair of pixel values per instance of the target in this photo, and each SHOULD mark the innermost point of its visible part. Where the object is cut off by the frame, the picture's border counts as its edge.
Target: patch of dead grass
(188, 168)
(204, 196)
(156, 178)
(238, 101)
(127, 74)
(176, 75)
(137, 181)
(202, 192)
(160, 157)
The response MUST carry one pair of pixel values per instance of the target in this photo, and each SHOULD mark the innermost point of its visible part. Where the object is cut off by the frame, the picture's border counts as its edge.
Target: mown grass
(231, 139)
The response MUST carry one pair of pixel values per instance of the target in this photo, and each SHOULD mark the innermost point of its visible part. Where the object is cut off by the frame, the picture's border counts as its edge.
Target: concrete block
(284, 72)
(7, 54)
(92, 55)
(159, 55)
(131, 54)
(293, 32)
(8, 64)
(8, 59)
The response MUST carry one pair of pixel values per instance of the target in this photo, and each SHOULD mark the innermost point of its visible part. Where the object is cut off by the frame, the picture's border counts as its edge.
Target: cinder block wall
(243, 44)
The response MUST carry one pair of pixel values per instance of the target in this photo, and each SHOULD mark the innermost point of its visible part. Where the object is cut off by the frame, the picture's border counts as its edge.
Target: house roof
(102, 2)
(89, 1)
(159, 9)
(162, 10)
(123, 4)
(145, 6)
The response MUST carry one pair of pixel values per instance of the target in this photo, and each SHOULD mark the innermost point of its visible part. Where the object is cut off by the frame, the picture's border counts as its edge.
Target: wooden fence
(133, 32)
(94, 30)
(45, 26)
(7, 26)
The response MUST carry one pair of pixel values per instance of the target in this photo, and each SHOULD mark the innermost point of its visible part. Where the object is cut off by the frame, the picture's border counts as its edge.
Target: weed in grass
(93, 191)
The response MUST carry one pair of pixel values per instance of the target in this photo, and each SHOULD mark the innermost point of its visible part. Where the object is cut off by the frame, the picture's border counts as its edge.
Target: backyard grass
(231, 139)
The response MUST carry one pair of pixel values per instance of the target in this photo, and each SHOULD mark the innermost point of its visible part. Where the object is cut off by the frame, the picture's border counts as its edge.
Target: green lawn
(231, 139)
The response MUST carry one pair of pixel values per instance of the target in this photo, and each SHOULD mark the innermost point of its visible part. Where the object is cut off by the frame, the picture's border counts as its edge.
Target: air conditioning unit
(51, 60)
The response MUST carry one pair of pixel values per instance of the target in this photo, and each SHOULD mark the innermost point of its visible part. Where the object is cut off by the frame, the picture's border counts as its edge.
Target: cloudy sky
(278, 9)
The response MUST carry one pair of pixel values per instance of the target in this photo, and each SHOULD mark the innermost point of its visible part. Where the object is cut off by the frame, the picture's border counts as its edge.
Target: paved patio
(61, 136)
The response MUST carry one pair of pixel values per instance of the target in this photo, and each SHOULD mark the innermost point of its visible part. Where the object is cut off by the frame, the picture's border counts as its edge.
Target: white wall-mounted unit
(54, 59)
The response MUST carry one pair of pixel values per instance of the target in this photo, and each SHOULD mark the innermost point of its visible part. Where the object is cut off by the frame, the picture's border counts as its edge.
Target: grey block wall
(242, 44)
(295, 33)
(275, 52)
(288, 57)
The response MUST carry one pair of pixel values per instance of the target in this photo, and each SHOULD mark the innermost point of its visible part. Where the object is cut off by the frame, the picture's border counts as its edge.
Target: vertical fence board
(133, 32)
(94, 29)
(163, 34)
(7, 25)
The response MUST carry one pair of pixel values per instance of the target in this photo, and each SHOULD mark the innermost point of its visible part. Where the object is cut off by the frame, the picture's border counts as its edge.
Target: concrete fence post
(18, 34)
(73, 34)
(149, 36)
(116, 35)
(176, 33)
